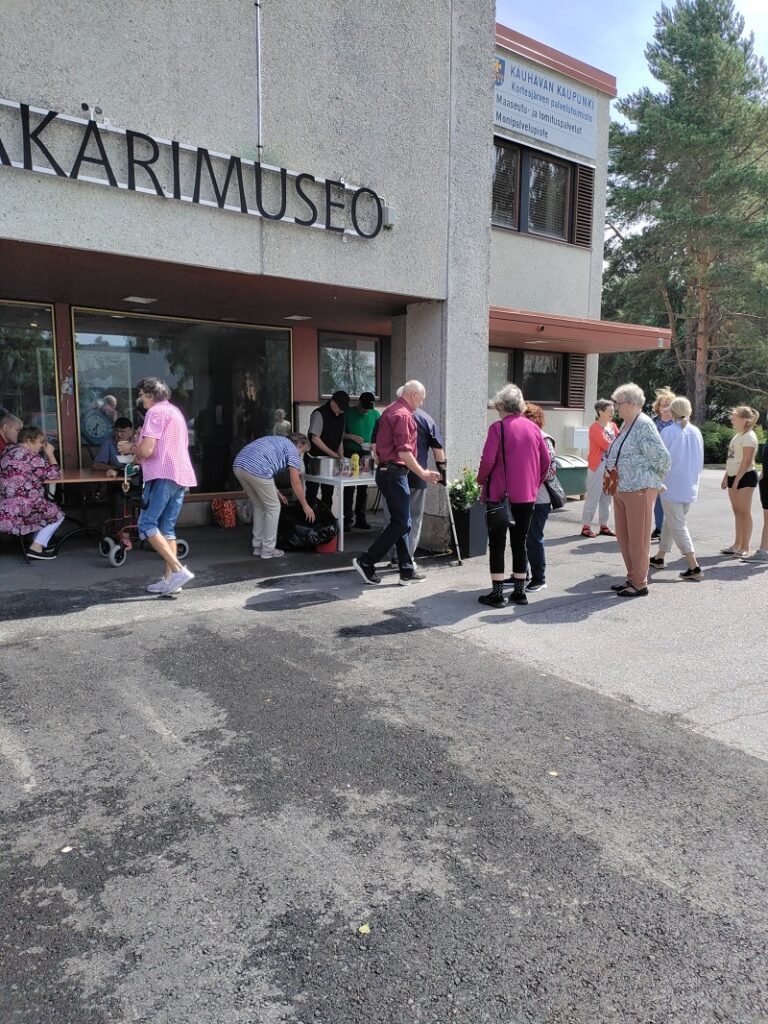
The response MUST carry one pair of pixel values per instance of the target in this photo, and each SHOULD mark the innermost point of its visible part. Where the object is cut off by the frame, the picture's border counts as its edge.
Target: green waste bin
(572, 474)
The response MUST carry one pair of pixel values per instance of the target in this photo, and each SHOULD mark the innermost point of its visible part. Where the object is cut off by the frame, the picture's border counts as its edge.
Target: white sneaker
(176, 580)
(275, 553)
(257, 551)
(158, 588)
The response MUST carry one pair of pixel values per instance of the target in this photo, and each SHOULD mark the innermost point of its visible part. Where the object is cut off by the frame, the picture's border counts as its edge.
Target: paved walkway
(690, 651)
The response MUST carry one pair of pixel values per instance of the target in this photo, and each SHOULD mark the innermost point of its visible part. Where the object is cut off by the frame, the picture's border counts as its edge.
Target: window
(506, 174)
(348, 363)
(230, 381)
(539, 375)
(27, 370)
(541, 195)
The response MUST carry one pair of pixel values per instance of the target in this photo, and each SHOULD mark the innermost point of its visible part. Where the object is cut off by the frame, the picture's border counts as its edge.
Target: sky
(611, 34)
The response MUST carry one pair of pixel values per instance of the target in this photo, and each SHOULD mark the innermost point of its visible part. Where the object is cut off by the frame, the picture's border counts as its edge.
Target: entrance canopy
(51, 274)
(517, 328)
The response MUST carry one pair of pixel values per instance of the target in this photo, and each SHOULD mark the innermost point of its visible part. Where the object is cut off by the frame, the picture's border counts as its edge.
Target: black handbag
(555, 492)
(498, 514)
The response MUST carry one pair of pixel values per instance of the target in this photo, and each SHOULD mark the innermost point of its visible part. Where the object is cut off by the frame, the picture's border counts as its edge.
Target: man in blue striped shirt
(256, 467)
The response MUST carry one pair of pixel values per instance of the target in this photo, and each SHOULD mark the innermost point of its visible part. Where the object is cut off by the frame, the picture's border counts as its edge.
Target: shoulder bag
(498, 514)
(554, 487)
(611, 476)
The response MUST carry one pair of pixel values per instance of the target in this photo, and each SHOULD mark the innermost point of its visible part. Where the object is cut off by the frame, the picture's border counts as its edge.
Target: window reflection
(27, 373)
(228, 380)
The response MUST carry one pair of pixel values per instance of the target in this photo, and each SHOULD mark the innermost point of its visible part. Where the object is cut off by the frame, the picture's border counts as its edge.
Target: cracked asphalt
(292, 799)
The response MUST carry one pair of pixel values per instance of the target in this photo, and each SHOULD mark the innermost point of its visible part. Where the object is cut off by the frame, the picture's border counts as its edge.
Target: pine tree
(688, 179)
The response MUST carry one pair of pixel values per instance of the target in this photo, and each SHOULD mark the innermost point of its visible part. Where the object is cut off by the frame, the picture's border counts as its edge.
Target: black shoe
(368, 572)
(692, 574)
(656, 534)
(413, 577)
(632, 591)
(347, 525)
(518, 594)
(492, 600)
(657, 563)
(535, 585)
(44, 556)
(362, 524)
(620, 586)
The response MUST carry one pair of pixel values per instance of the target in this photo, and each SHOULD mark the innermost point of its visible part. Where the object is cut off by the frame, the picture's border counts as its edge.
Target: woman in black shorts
(740, 479)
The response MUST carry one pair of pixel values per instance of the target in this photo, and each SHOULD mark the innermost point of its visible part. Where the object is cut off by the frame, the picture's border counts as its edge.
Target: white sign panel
(544, 107)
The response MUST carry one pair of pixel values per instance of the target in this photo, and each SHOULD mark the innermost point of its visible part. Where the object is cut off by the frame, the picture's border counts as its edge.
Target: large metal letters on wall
(47, 142)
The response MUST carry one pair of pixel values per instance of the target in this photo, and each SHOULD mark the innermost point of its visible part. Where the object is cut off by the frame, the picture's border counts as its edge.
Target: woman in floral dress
(25, 469)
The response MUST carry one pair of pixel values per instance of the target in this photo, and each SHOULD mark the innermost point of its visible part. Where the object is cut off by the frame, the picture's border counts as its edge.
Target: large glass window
(498, 371)
(348, 363)
(231, 382)
(27, 368)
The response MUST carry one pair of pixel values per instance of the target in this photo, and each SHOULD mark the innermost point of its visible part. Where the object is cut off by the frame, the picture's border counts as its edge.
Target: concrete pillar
(447, 341)
(397, 356)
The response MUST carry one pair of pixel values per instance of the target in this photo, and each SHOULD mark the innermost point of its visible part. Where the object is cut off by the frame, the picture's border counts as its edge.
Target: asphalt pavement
(286, 797)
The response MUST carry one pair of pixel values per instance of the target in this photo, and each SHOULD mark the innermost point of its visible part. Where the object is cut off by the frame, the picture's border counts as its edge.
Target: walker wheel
(116, 556)
(105, 546)
(182, 548)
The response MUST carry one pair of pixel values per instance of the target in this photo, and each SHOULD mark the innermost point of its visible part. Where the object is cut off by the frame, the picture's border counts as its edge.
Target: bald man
(396, 453)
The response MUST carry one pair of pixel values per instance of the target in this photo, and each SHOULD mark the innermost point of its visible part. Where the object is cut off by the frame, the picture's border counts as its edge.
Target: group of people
(648, 469)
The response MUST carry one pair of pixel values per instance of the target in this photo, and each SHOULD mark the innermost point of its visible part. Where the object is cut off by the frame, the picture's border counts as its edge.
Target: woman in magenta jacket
(527, 461)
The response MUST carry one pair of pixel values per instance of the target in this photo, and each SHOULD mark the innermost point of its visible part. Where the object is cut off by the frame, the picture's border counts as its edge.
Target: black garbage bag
(294, 533)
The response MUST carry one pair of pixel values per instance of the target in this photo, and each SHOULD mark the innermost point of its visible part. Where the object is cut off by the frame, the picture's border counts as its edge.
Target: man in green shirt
(359, 421)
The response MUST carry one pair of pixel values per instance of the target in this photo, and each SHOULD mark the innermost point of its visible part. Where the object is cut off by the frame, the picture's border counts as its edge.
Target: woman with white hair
(639, 461)
(685, 445)
(514, 463)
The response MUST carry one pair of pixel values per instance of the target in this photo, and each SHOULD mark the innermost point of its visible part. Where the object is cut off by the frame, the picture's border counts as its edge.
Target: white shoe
(158, 588)
(757, 556)
(176, 580)
(257, 551)
(275, 553)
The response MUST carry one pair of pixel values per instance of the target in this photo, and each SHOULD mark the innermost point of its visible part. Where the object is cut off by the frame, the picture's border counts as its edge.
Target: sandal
(657, 563)
(586, 531)
(730, 551)
(620, 586)
(606, 531)
(632, 591)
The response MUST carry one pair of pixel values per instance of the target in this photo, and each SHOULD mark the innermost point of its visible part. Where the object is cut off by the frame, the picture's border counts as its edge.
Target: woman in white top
(685, 445)
(740, 477)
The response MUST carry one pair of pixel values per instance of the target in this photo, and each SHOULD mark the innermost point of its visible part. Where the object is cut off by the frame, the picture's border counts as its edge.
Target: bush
(717, 437)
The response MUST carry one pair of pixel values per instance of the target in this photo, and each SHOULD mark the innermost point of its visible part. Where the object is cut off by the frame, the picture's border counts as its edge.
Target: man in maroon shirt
(396, 454)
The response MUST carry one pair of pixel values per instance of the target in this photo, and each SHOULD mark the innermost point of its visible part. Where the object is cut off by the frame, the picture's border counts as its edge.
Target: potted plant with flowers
(468, 514)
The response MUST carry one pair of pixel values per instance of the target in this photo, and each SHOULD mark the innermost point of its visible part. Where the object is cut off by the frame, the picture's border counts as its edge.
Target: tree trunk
(701, 370)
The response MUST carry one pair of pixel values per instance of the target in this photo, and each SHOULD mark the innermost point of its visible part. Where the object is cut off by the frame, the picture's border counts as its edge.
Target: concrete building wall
(352, 91)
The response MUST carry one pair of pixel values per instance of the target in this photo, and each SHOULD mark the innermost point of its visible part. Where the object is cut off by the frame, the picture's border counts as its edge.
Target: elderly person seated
(25, 469)
(514, 463)
(107, 457)
(10, 426)
(641, 462)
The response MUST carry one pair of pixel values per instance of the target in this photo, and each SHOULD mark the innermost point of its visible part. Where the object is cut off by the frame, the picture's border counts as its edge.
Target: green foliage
(465, 490)
(717, 437)
(687, 181)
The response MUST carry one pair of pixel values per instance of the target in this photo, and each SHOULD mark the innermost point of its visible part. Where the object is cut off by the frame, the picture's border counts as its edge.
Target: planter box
(471, 531)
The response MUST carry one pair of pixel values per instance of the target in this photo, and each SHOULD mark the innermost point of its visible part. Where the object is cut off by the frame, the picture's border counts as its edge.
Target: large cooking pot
(322, 465)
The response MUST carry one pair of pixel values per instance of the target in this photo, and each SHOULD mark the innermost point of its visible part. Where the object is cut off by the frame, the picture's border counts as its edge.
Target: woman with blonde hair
(662, 417)
(638, 461)
(740, 477)
(685, 445)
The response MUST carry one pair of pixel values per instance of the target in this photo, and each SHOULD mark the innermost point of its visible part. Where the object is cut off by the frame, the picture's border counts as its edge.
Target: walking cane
(453, 527)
